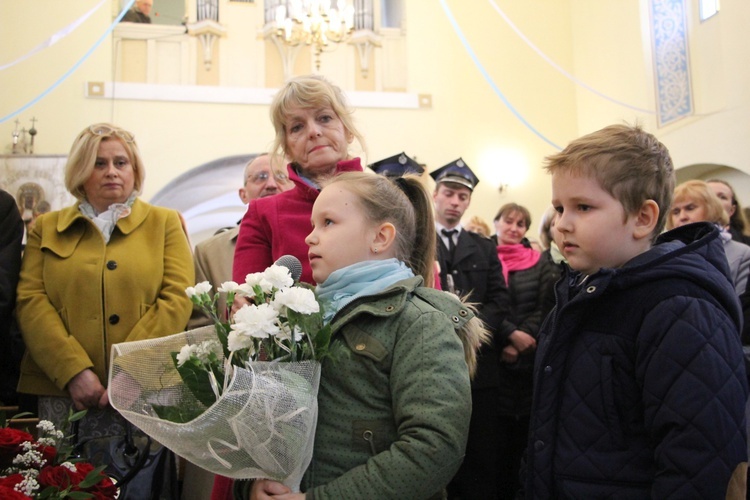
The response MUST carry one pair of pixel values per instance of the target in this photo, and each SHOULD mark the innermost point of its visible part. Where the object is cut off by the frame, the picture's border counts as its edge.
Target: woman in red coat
(314, 130)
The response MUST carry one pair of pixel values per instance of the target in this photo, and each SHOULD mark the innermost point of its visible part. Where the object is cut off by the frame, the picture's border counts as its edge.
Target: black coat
(475, 271)
(11, 236)
(530, 290)
(639, 382)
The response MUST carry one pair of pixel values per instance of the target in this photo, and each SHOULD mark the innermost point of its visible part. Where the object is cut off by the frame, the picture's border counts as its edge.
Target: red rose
(11, 481)
(104, 489)
(10, 441)
(48, 453)
(7, 493)
(55, 475)
(82, 470)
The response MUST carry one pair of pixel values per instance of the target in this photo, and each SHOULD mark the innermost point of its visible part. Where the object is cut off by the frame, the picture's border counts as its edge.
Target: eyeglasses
(262, 178)
(106, 131)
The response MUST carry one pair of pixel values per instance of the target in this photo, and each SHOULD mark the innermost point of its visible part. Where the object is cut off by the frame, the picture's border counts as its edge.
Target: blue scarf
(358, 280)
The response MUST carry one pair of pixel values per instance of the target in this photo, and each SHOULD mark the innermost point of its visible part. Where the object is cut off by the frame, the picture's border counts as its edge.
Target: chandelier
(315, 23)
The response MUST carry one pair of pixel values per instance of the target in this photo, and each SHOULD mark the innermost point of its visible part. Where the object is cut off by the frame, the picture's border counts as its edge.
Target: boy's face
(592, 229)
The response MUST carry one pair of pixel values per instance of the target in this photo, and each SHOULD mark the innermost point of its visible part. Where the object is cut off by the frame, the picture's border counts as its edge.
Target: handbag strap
(130, 450)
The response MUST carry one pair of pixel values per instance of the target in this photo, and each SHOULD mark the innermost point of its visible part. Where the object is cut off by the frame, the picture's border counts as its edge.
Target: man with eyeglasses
(214, 256)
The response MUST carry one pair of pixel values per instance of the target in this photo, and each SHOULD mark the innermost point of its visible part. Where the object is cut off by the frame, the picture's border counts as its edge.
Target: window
(708, 8)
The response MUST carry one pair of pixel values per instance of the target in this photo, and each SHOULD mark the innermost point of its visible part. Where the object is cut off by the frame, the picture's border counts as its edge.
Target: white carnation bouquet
(238, 398)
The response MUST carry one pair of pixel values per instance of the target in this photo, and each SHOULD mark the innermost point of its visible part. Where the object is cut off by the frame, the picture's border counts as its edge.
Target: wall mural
(671, 60)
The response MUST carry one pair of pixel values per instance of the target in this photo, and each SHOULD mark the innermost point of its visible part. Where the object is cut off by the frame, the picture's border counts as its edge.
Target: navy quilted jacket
(639, 379)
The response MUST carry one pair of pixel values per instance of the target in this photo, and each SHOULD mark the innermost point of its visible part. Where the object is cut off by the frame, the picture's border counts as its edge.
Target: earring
(375, 250)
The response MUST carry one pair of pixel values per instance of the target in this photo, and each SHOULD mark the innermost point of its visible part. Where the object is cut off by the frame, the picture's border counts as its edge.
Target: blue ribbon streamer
(72, 69)
(558, 67)
(487, 77)
(49, 42)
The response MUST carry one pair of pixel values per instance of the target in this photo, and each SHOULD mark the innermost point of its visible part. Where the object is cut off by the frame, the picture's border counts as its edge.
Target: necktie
(451, 244)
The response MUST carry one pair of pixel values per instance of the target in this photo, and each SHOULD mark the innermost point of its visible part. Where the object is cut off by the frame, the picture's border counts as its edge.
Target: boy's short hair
(627, 162)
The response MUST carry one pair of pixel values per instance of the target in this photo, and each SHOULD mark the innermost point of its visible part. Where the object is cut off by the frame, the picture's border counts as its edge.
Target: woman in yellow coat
(109, 269)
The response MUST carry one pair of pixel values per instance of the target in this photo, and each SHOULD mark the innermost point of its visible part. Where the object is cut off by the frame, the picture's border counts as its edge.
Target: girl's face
(341, 234)
(724, 193)
(316, 139)
(511, 227)
(686, 211)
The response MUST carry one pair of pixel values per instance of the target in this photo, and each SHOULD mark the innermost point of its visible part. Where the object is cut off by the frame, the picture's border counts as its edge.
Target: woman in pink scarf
(527, 277)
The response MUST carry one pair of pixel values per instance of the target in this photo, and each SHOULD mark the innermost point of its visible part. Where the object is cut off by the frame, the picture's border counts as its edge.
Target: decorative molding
(237, 95)
(207, 32)
(671, 60)
(365, 41)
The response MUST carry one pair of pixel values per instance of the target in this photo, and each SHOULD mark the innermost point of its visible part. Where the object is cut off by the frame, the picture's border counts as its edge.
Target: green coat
(395, 403)
(78, 296)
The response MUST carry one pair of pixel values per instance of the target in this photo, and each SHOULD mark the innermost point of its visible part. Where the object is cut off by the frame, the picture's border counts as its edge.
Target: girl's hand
(266, 489)
(522, 341)
(237, 304)
(86, 391)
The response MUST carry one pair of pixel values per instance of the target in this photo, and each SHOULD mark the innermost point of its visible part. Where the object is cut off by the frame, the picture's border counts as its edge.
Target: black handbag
(139, 466)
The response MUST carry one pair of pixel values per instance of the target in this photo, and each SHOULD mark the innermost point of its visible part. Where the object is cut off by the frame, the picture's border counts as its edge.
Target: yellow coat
(78, 296)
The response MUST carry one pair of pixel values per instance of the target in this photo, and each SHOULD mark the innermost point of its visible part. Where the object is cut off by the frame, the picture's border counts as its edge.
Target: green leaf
(76, 495)
(178, 415)
(93, 477)
(222, 331)
(196, 379)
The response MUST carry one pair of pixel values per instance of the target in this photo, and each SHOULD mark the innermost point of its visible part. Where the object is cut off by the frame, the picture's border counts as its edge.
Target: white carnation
(229, 286)
(190, 291)
(185, 354)
(256, 321)
(205, 348)
(202, 287)
(256, 279)
(285, 333)
(297, 299)
(237, 341)
(278, 276)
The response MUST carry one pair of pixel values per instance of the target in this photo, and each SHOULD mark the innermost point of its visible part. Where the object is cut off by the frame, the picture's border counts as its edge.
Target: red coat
(278, 225)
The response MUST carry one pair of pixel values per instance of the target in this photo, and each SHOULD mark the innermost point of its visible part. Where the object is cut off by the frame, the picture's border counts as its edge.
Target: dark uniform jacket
(475, 271)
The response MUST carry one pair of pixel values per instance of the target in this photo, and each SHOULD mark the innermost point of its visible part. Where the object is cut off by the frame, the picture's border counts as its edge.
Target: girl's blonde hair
(405, 203)
(83, 153)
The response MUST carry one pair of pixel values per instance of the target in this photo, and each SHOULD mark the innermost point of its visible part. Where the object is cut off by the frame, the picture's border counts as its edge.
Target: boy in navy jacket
(639, 383)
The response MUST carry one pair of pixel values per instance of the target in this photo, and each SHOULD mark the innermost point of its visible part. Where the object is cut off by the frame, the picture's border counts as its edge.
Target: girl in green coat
(395, 404)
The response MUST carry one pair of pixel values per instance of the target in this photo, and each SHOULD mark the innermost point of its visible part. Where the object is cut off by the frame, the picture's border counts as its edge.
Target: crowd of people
(603, 360)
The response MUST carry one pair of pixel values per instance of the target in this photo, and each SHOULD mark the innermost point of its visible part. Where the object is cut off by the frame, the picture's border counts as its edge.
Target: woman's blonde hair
(311, 91)
(477, 225)
(699, 192)
(83, 153)
(405, 203)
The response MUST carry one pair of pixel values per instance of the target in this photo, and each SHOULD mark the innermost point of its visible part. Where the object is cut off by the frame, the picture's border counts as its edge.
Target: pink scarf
(516, 258)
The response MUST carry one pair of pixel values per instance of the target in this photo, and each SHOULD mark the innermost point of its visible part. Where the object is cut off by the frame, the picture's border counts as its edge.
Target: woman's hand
(265, 489)
(87, 392)
(522, 341)
(509, 354)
